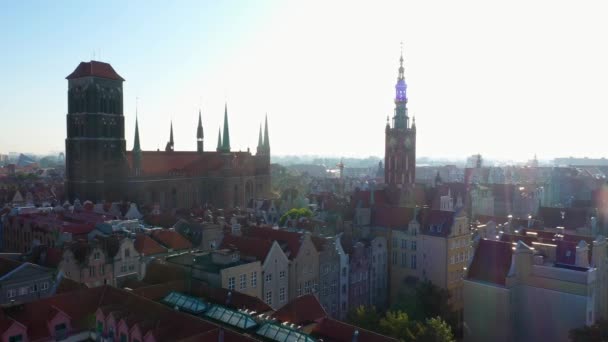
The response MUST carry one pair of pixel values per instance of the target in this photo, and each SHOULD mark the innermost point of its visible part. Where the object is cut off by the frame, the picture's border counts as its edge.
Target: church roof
(162, 163)
(96, 69)
(155, 163)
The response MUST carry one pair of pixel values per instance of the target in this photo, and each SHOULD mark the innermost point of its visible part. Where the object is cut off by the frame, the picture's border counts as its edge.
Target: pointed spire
(260, 141)
(266, 134)
(199, 134)
(199, 130)
(219, 139)
(226, 141)
(401, 69)
(170, 144)
(400, 119)
(136, 146)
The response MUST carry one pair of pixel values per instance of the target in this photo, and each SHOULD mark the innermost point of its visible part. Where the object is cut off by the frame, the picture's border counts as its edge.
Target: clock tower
(400, 144)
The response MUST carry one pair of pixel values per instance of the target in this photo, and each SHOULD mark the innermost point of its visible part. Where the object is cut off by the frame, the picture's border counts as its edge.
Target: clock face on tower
(392, 142)
(408, 142)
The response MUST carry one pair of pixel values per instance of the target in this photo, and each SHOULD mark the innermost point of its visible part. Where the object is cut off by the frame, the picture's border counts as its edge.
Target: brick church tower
(400, 147)
(96, 167)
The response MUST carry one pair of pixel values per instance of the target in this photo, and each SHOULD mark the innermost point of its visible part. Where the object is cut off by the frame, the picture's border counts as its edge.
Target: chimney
(582, 254)
(598, 251)
(355, 336)
(521, 263)
(229, 298)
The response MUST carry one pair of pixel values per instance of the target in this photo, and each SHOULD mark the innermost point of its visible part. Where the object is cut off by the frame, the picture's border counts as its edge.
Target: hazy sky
(506, 79)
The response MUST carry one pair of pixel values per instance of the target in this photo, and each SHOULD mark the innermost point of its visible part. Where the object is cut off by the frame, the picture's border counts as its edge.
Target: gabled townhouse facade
(302, 254)
(330, 275)
(274, 277)
(87, 262)
(22, 282)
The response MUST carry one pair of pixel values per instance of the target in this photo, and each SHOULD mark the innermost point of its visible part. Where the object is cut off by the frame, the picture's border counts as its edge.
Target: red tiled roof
(96, 69)
(147, 246)
(6, 323)
(238, 300)
(331, 330)
(319, 242)
(196, 288)
(302, 310)
(292, 239)
(392, 217)
(157, 292)
(157, 273)
(249, 246)
(77, 304)
(362, 198)
(433, 219)
(53, 256)
(157, 163)
(7, 265)
(171, 239)
(491, 262)
(69, 285)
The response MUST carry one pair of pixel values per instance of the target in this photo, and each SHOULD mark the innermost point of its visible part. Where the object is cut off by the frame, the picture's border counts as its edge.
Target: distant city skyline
(505, 80)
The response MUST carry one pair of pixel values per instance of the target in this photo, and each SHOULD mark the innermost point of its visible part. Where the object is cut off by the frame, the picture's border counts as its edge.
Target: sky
(507, 79)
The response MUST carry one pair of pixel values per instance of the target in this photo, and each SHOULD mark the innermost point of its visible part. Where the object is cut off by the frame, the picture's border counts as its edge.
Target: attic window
(61, 331)
(16, 338)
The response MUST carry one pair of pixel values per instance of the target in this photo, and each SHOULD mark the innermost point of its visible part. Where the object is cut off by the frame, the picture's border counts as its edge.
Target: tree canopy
(295, 214)
(397, 324)
(425, 301)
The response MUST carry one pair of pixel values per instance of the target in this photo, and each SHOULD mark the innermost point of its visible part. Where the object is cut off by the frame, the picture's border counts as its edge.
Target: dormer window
(61, 331)
(16, 338)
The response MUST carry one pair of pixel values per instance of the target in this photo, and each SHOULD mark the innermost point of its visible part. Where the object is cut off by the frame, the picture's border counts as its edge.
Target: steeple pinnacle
(199, 129)
(400, 119)
(170, 145)
(226, 141)
(136, 146)
(199, 133)
(219, 139)
(260, 142)
(401, 70)
(266, 136)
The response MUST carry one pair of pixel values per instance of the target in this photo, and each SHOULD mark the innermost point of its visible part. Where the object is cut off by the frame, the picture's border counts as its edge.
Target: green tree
(365, 317)
(295, 214)
(435, 330)
(424, 301)
(397, 324)
(595, 333)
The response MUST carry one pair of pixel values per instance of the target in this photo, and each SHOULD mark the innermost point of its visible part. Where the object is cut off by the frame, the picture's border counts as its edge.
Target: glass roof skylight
(281, 333)
(231, 317)
(185, 303)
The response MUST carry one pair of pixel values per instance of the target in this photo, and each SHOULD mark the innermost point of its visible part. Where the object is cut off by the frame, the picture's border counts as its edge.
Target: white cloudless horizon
(504, 79)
